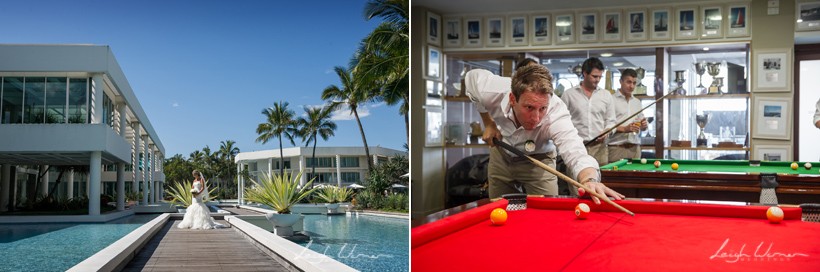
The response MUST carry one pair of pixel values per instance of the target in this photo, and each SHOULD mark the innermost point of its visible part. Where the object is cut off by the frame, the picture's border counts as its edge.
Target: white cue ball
(643, 161)
(807, 165)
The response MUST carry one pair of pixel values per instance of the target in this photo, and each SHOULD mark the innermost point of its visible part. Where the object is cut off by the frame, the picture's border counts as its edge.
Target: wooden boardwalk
(173, 249)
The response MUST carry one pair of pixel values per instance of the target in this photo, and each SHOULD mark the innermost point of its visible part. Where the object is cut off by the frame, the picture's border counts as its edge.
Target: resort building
(71, 126)
(340, 166)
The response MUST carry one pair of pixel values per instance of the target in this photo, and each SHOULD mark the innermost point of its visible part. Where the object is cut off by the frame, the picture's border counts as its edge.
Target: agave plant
(181, 194)
(279, 192)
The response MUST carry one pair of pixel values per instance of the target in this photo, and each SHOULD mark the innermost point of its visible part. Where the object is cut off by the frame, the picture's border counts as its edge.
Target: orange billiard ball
(581, 210)
(657, 164)
(794, 166)
(498, 216)
(775, 214)
(675, 166)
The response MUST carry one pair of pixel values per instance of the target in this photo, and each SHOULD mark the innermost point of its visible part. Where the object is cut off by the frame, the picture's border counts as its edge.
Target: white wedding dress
(197, 216)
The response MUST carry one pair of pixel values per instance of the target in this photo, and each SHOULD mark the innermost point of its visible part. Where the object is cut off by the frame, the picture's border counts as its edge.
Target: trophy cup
(577, 70)
(680, 79)
(700, 68)
(640, 89)
(713, 68)
(701, 120)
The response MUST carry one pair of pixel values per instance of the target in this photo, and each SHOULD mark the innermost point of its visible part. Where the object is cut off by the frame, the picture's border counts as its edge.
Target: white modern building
(69, 113)
(340, 166)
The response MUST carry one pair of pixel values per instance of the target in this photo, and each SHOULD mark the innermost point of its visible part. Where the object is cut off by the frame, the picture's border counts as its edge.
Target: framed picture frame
(738, 21)
(611, 26)
(808, 16)
(772, 152)
(452, 31)
(564, 32)
(660, 28)
(772, 70)
(472, 31)
(495, 32)
(687, 23)
(434, 136)
(434, 57)
(772, 118)
(711, 24)
(517, 33)
(541, 29)
(587, 26)
(636, 25)
(433, 28)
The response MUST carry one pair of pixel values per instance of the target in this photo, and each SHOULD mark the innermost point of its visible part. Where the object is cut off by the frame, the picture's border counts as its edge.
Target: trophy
(700, 68)
(713, 68)
(701, 120)
(640, 89)
(680, 79)
(577, 70)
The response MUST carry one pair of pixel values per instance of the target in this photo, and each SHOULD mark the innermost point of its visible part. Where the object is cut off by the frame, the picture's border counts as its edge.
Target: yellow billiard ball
(615, 168)
(774, 214)
(498, 216)
(675, 166)
(794, 166)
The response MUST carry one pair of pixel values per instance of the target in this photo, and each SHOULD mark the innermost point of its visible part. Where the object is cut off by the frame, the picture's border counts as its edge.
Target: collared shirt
(491, 94)
(624, 109)
(590, 115)
(817, 112)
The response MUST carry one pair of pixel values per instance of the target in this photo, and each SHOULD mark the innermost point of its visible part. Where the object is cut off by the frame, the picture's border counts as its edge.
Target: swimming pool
(59, 246)
(364, 242)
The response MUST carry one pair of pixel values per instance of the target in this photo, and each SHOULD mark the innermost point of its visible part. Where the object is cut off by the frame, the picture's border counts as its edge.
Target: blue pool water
(364, 242)
(59, 246)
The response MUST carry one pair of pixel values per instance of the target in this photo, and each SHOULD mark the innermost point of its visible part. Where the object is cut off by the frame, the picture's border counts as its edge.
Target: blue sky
(203, 71)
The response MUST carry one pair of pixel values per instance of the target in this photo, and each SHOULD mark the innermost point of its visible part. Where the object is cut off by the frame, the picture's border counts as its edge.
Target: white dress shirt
(590, 115)
(817, 112)
(623, 109)
(491, 94)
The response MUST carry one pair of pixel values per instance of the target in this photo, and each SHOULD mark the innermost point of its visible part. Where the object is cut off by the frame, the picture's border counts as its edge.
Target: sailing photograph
(711, 18)
(612, 23)
(661, 20)
(636, 23)
(737, 17)
(687, 20)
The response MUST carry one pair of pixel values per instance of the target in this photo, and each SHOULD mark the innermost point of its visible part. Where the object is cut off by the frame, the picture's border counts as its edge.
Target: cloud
(175, 104)
(344, 114)
(329, 71)
(378, 105)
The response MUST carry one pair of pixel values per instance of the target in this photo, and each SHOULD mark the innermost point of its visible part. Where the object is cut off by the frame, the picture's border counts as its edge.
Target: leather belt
(626, 145)
(596, 142)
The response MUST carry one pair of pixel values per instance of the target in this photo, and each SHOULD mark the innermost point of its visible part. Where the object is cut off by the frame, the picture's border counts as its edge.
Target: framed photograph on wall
(433, 28)
(772, 152)
(808, 16)
(472, 28)
(587, 26)
(434, 136)
(711, 25)
(686, 27)
(563, 28)
(660, 29)
(636, 25)
(452, 32)
(772, 118)
(772, 70)
(433, 63)
(540, 30)
(737, 25)
(518, 30)
(495, 31)
(611, 26)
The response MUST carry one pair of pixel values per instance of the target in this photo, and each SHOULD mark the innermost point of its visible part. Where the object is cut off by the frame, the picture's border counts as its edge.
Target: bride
(197, 216)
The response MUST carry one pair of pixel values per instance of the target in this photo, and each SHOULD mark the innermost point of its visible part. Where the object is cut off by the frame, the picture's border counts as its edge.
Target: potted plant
(182, 196)
(333, 196)
(280, 192)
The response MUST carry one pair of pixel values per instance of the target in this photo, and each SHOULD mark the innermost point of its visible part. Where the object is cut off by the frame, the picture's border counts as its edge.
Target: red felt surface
(662, 236)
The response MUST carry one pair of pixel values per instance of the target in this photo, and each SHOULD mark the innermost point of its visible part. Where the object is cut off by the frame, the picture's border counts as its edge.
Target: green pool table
(715, 180)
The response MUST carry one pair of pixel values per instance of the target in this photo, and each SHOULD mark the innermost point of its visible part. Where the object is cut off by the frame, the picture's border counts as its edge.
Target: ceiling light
(618, 64)
(706, 49)
(606, 55)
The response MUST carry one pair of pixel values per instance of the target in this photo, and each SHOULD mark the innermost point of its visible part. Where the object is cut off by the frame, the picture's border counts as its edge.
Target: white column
(5, 182)
(94, 180)
(144, 179)
(375, 160)
(270, 166)
(97, 90)
(69, 184)
(123, 119)
(338, 170)
(302, 179)
(120, 186)
(240, 183)
(44, 181)
(152, 187)
(134, 169)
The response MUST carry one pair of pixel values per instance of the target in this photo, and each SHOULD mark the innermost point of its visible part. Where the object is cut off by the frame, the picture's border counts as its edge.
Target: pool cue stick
(559, 174)
(626, 119)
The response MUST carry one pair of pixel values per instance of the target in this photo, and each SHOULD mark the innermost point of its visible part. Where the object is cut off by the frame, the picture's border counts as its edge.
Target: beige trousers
(506, 171)
(599, 152)
(618, 152)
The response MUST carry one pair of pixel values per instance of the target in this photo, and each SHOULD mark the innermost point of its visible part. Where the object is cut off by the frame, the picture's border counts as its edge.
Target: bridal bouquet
(194, 191)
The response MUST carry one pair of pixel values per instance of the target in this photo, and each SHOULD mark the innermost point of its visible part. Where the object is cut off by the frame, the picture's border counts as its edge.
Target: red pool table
(662, 236)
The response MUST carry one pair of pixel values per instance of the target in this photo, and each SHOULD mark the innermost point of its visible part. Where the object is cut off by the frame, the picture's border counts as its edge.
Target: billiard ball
(675, 166)
(498, 216)
(775, 214)
(657, 164)
(643, 161)
(581, 210)
(615, 167)
(807, 165)
(794, 166)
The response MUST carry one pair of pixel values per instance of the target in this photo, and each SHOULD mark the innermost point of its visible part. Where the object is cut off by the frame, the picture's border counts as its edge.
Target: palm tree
(227, 152)
(352, 93)
(278, 123)
(317, 123)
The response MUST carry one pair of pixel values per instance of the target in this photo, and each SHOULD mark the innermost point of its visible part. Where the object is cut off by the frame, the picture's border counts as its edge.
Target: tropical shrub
(279, 192)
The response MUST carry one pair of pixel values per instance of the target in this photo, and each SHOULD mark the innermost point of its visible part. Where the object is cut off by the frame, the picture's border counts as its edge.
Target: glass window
(12, 100)
(321, 177)
(350, 177)
(34, 100)
(56, 99)
(78, 100)
(349, 162)
(320, 162)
